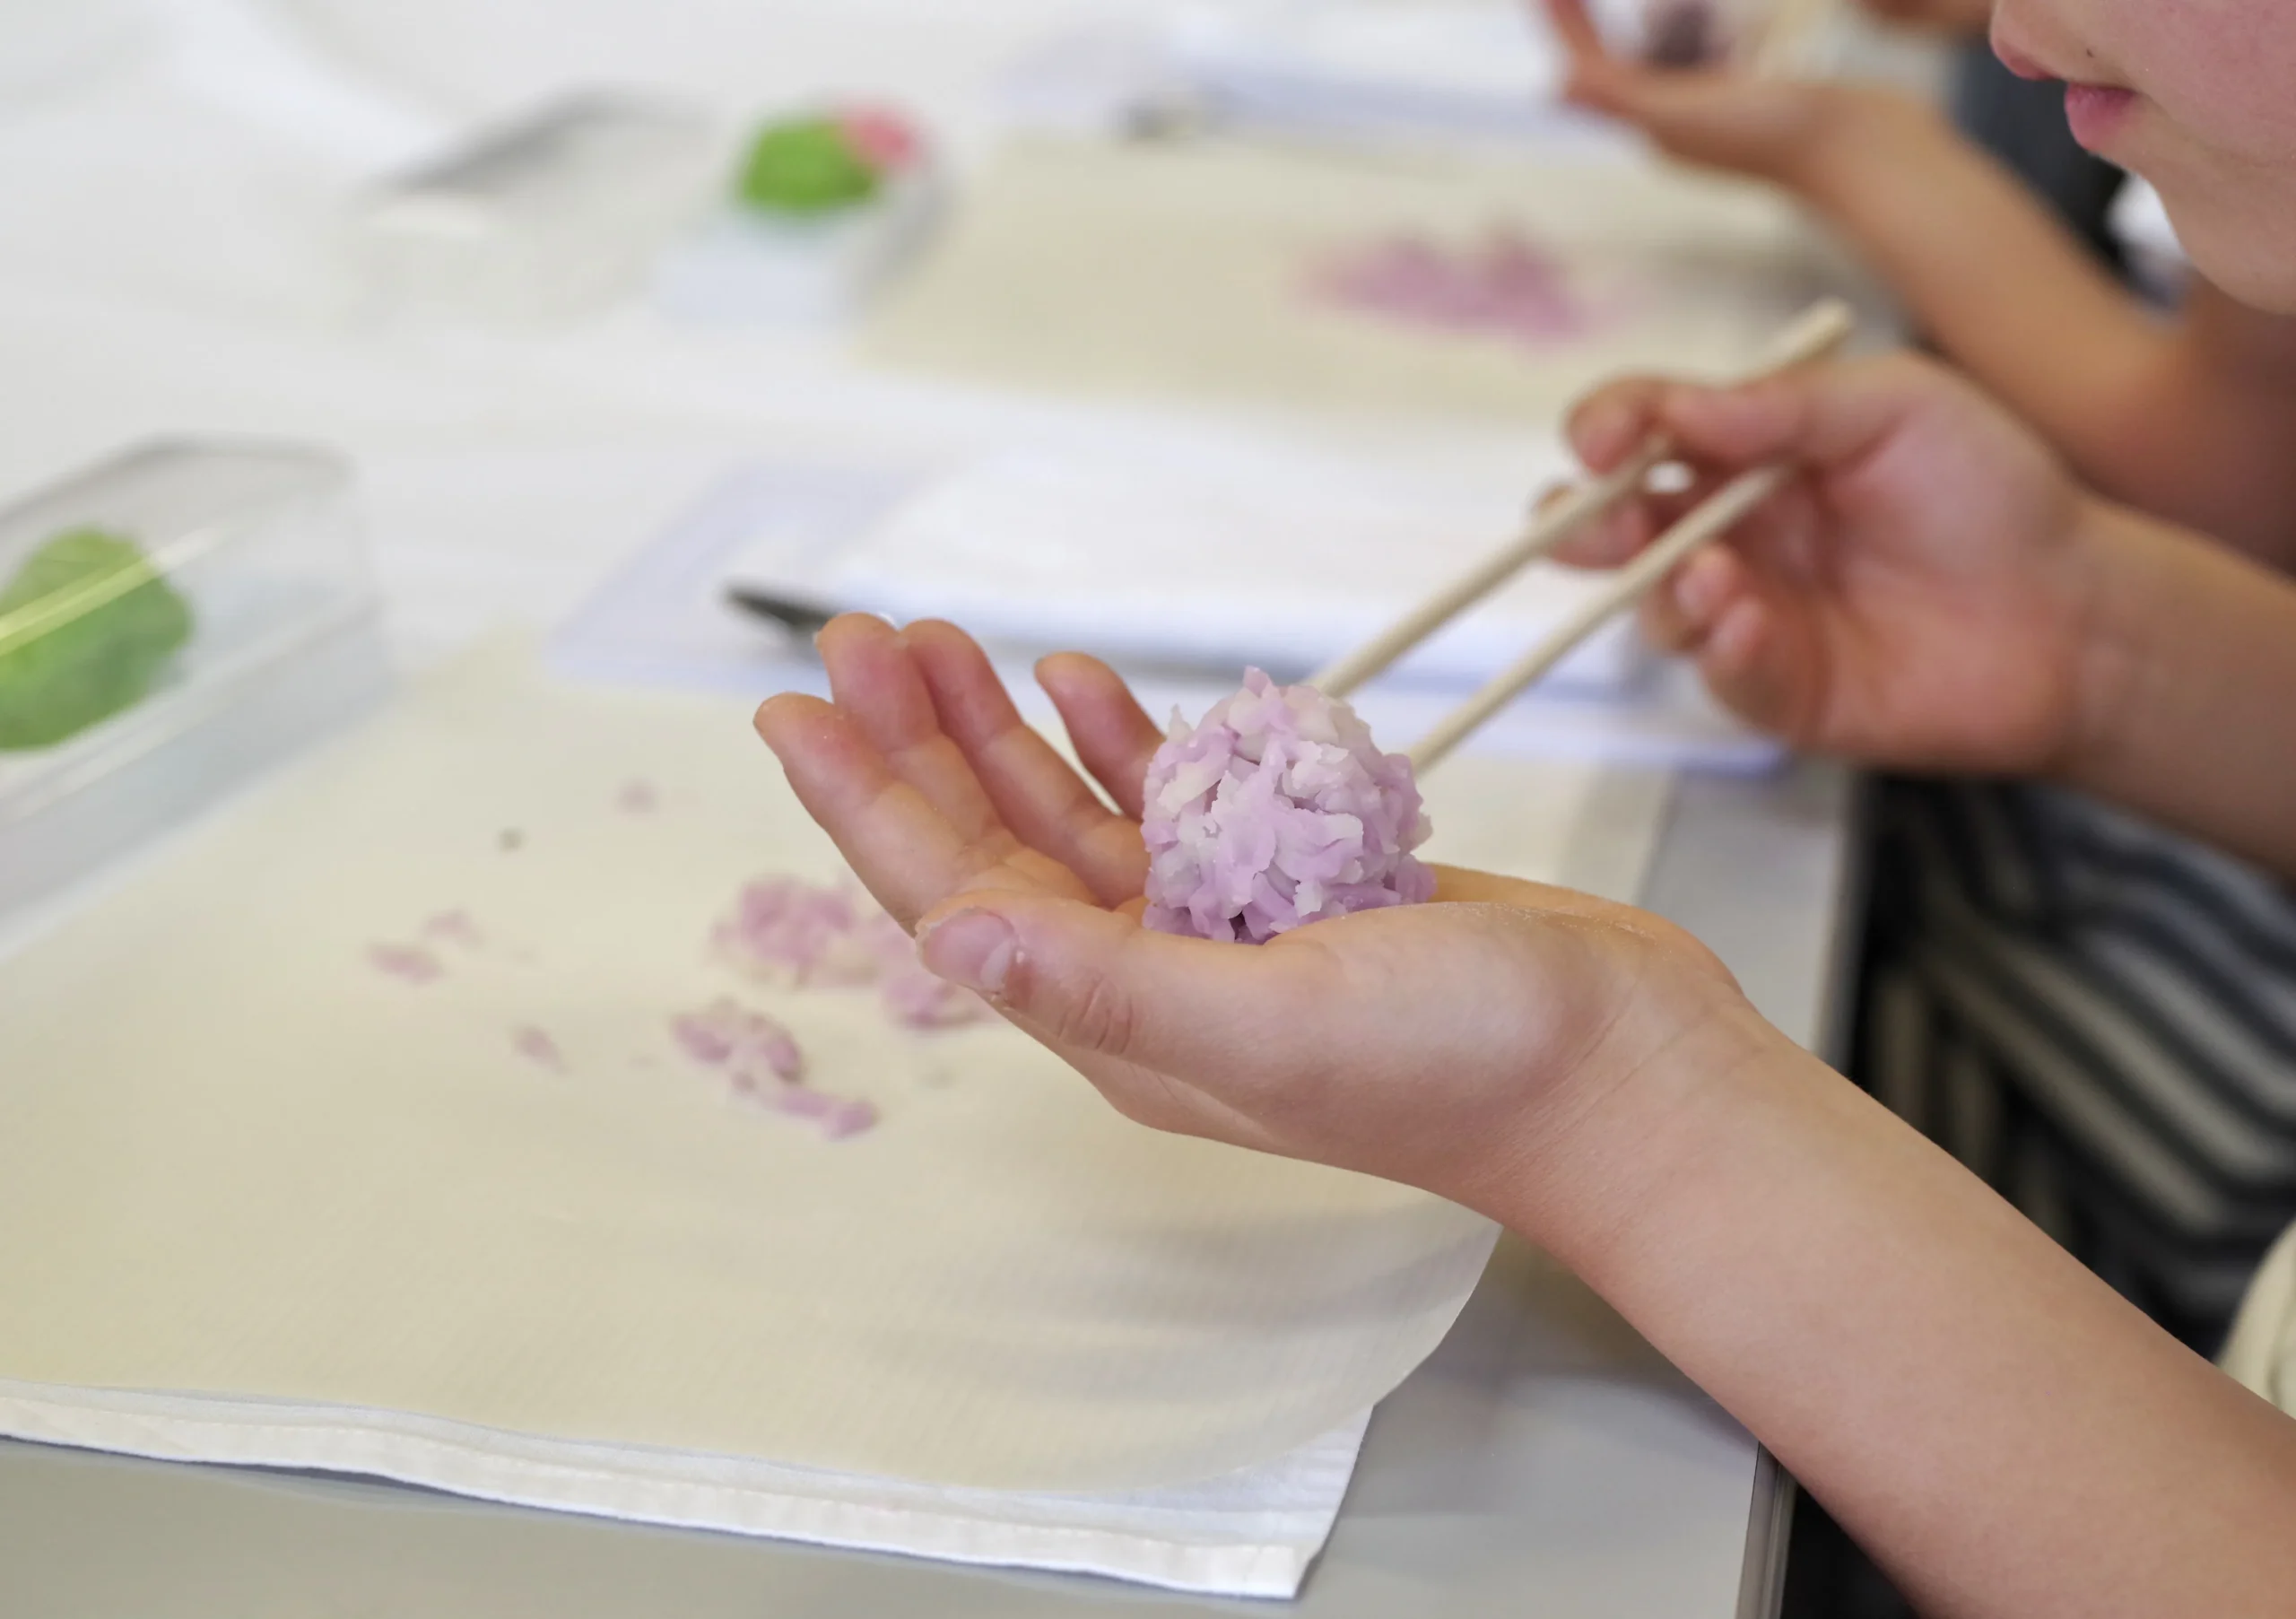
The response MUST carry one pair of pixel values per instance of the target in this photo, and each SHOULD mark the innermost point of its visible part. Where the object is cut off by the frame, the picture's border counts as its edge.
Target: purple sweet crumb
(837, 1116)
(535, 1045)
(749, 1045)
(784, 930)
(1277, 810)
(912, 997)
(1509, 287)
(915, 1000)
(762, 1062)
(454, 927)
(411, 963)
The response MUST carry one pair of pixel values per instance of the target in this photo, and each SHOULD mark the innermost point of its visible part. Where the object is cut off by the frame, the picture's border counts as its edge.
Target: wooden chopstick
(1709, 521)
(1814, 333)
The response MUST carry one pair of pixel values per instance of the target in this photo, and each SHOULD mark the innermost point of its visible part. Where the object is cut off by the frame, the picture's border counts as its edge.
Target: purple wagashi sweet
(1275, 811)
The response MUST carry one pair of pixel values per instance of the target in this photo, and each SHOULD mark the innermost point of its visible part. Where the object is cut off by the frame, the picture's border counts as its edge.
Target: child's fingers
(1575, 28)
(875, 681)
(1726, 118)
(1609, 539)
(1821, 415)
(1756, 663)
(1678, 615)
(1113, 734)
(1044, 802)
(1750, 634)
(902, 848)
(1604, 428)
(1619, 535)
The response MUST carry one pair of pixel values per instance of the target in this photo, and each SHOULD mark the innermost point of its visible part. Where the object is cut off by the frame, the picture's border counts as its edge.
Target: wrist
(1604, 1147)
(2186, 665)
(2115, 643)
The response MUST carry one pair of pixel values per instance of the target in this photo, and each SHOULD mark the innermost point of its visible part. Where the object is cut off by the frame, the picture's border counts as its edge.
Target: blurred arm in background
(2191, 416)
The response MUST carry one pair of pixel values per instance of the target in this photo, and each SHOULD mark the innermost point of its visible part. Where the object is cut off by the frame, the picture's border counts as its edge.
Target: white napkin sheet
(1264, 558)
(290, 1209)
(1250, 1533)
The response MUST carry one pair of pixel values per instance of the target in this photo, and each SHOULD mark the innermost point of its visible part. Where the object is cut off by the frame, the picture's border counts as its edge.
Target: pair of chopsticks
(1815, 334)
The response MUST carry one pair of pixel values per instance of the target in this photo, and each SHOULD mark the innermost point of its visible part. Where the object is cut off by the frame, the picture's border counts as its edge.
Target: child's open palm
(1442, 1045)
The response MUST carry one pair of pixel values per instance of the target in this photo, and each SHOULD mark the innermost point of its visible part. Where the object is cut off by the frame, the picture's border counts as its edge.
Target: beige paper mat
(235, 1159)
(1195, 270)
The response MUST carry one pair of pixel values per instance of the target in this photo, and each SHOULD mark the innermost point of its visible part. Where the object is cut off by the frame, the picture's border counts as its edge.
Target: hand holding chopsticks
(1709, 521)
(1817, 332)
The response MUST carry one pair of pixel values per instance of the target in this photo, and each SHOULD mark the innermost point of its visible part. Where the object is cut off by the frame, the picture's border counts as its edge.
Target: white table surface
(1544, 1461)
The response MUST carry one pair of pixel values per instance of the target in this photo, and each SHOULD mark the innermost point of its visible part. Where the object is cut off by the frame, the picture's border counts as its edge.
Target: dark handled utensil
(803, 618)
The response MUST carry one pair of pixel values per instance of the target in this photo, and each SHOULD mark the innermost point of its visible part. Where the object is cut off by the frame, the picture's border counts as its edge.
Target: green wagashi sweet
(86, 625)
(806, 166)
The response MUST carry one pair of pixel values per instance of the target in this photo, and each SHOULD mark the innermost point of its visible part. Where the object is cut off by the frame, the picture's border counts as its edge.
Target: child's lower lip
(2096, 111)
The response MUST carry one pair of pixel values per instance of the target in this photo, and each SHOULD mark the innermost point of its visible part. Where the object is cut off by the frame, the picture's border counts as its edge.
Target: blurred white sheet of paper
(248, 1176)
(1358, 69)
(1263, 559)
(664, 619)
(1475, 67)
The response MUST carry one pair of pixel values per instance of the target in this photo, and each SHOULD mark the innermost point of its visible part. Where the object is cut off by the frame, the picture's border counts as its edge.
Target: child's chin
(2242, 239)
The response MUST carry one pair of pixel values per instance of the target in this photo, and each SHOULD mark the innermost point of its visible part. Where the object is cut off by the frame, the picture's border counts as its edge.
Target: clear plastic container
(172, 621)
(542, 220)
(742, 266)
(824, 205)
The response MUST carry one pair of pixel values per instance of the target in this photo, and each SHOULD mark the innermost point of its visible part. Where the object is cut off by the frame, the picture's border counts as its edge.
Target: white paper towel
(1245, 558)
(237, 1158)
(261, 1204)
(1250, 1533)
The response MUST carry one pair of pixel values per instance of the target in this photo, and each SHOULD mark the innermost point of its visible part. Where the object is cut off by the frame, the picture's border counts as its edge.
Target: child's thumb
(1093, 980)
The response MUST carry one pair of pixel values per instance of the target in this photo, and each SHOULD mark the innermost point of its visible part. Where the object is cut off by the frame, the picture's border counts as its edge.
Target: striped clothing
(2100, 1019)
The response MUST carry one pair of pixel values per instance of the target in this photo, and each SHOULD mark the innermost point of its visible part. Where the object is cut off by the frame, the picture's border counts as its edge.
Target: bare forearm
(2003, 1432)
(2189, 705)
(2203, 431)
(1983, 269)
(2192, 418)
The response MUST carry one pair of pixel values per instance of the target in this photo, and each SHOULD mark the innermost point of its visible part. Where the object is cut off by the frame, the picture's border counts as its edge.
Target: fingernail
(975, 948)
